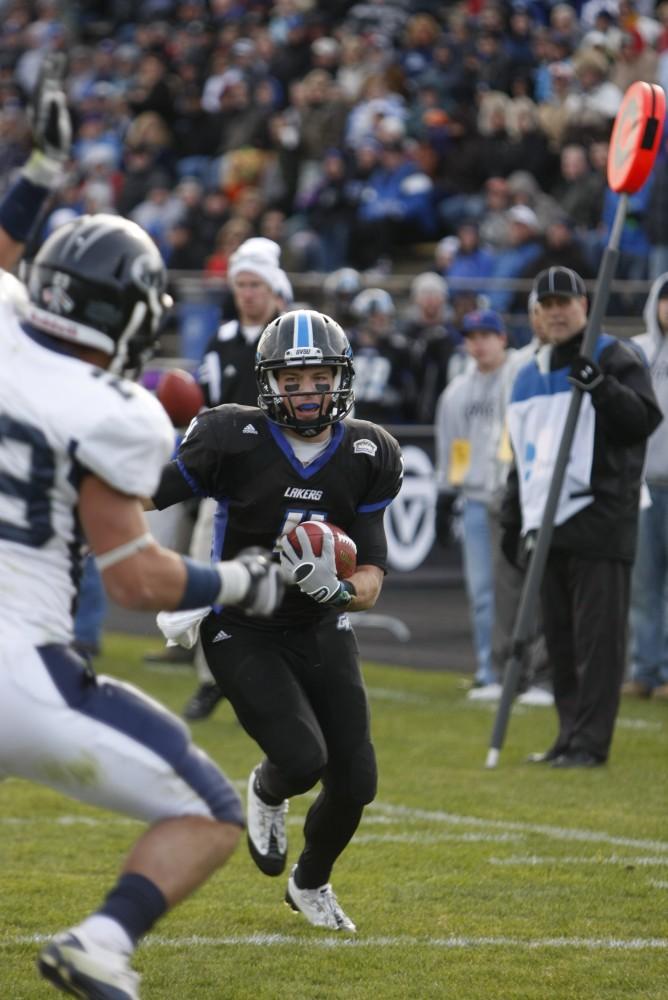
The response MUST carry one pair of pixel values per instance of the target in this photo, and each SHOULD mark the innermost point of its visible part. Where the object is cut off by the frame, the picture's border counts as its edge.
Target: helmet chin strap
(137, 317)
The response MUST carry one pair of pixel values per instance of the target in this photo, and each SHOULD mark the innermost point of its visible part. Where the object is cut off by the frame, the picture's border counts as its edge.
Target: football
(180, 395)
(345, 550)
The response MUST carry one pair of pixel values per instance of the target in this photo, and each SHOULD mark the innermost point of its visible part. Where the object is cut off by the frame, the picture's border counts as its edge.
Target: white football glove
(51, 125)
(266, 586)
(314, 575)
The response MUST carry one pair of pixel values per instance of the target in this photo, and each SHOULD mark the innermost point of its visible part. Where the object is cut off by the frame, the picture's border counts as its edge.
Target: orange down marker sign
(635, 137)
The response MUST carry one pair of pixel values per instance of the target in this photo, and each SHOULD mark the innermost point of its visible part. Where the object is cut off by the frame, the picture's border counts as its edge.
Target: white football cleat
(266, 834)
(536, 697)
(320, 906)
(74, 964)
(485, 693)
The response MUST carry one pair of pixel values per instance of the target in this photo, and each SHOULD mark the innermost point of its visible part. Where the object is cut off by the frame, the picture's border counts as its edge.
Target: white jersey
(58, 417)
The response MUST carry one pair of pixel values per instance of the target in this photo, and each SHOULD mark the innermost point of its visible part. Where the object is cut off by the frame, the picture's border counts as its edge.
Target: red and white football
(180, 395)
(345, 550)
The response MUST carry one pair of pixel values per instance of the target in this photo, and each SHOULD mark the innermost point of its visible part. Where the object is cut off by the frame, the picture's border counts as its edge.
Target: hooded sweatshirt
(654, 343)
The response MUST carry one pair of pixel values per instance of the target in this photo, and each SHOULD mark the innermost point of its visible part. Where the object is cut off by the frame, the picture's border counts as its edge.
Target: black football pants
(299, 694)
(585, 618)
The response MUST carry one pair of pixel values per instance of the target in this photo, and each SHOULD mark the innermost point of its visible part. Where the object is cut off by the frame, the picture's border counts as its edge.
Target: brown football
(180, 395)
(345, 550)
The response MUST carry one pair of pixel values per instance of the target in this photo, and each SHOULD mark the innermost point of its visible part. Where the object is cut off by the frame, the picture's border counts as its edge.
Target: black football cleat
(576, 758)
(203, 702)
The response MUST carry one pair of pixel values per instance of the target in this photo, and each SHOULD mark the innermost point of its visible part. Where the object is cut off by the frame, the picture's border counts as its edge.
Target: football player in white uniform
(79, 445)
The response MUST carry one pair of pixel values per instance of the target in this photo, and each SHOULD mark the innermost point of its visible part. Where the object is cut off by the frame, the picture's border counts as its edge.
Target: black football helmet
(100, 281)
(298, 338)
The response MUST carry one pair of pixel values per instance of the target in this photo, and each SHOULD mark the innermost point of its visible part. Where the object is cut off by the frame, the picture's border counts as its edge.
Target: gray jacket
(654, 344)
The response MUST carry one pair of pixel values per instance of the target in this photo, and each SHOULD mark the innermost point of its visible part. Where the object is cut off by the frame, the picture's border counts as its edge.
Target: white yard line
(398, 941)
(554, 832)
(535, 860)
(386, 814)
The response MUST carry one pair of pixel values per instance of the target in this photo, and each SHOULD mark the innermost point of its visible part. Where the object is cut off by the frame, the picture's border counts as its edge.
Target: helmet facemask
(330, 404)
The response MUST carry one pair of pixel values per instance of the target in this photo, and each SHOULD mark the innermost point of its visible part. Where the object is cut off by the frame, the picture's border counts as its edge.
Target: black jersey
(234, 454)
(227, 372)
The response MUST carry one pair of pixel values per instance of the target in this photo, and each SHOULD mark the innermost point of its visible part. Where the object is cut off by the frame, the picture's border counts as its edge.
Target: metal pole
(530, 590)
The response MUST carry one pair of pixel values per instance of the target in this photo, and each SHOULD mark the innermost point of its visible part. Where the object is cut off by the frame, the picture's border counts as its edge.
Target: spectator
(530, 148)
(554, 111)
(534, 684)
(634, 60)
(585, 588)
(471, 263)
(525, 190)
(524, 247)
(657, 207)
(634, 244)
(396, 207)
(469, 421)
(384, 384)
(490, 213)
(598, 100)
(579, 190)
(329, 211)
(432, 340)
(649, 618)
(339, 290)
(230, 237)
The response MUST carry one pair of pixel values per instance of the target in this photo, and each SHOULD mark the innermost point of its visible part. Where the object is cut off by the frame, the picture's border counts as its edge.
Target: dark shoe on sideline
(203, 702)
(170, 655)
(577, 758)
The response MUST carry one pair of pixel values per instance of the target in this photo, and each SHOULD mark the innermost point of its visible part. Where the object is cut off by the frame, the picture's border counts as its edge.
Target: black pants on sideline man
(585, 618)
(299, 694)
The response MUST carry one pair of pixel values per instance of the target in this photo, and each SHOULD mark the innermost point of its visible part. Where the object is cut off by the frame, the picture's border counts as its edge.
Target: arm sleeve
(388, 472)
(368, 533)
(130, 441)
(195, 471)
(624, 401)
(173, 488)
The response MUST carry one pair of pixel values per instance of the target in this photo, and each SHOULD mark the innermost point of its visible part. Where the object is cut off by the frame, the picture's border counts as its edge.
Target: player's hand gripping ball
(316, 556)
(180, 395)
(345, 550)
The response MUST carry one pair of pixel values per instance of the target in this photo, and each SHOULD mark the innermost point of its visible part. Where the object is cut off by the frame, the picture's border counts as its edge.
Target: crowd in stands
(349, 133)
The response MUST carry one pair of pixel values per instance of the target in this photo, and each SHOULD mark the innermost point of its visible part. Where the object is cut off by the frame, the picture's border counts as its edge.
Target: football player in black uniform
(295, 681)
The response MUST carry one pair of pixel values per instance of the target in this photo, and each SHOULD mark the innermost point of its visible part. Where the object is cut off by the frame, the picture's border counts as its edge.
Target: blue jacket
(405, 194)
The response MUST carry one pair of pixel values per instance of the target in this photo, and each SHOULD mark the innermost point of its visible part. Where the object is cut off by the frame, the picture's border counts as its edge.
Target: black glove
(585, 374)
(266, 588)
(51, 125)
(443, 517)
(510, 544)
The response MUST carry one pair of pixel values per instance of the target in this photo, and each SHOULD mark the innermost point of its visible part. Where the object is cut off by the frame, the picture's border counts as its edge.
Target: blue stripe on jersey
(531, 382)
(190, 479)
(303, 330)
(368, 508)
(220, 522)
(128, 712)
(306, 471)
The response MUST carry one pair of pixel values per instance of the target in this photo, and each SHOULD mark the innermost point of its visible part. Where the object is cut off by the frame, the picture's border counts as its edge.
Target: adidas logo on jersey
(219, 636)
(249, 429)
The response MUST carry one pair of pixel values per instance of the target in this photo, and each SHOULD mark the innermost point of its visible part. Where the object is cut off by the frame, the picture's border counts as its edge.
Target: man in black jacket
(585, 588)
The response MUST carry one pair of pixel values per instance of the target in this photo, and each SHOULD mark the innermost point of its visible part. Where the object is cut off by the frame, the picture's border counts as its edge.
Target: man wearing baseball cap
(469, 471)
(585, 588)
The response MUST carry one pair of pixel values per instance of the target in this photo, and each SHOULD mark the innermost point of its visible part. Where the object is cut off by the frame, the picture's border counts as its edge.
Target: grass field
(523, 882)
